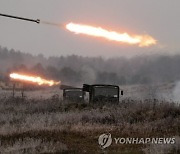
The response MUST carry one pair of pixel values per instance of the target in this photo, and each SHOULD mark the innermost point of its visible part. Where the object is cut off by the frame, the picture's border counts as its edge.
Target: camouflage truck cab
(73, 94)
(103, 93)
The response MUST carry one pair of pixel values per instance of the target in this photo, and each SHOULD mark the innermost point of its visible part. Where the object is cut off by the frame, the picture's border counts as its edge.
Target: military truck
(103, 93)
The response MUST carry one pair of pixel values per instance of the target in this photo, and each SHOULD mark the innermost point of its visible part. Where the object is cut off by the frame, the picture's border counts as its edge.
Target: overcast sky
(158, 18)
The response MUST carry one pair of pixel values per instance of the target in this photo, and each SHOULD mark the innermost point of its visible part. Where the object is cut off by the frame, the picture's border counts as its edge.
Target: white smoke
(176, 92)
(51, 23)
(89, 76)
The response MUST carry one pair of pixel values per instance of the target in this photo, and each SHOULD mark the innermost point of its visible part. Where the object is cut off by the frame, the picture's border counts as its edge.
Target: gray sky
(158, 18)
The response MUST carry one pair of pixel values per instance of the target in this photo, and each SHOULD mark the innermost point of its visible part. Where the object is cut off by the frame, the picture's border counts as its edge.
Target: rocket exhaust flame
(33, 79)
(140, 40)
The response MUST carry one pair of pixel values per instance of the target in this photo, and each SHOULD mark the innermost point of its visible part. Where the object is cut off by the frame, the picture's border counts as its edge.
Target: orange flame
(141, 40)
(33, 79)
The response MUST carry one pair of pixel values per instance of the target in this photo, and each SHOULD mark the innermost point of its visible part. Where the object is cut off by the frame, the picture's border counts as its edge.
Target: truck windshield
(106, 91)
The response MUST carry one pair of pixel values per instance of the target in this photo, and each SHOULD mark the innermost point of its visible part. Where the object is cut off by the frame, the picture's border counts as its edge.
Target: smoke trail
(51, 23)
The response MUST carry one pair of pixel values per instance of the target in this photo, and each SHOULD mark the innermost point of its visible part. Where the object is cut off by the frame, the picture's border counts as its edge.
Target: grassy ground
(52, 126)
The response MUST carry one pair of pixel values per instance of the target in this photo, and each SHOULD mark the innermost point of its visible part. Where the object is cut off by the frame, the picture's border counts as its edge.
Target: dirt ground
(42, 123)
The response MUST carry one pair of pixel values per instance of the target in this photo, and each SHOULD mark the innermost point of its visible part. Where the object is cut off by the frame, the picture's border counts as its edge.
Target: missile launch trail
(140, 40)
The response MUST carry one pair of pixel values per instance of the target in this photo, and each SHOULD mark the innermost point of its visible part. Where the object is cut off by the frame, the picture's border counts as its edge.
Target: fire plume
(140, 40)
(33, 79)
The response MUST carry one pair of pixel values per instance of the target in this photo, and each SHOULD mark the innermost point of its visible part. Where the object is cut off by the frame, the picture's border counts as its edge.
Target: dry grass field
(49, 125)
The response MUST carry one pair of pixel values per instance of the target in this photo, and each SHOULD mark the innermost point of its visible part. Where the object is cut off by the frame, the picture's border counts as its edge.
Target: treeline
(77, 70)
